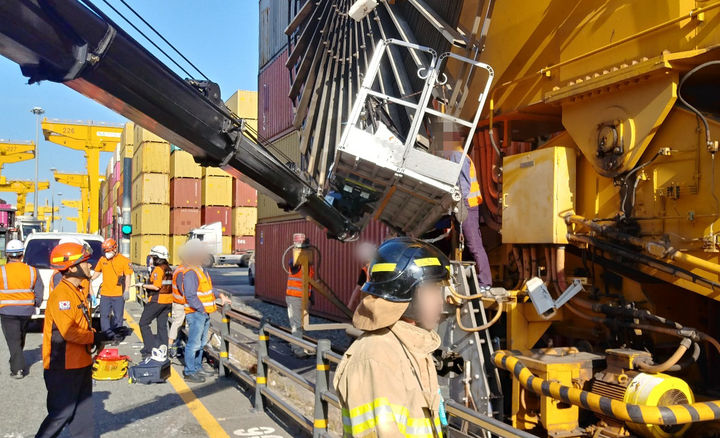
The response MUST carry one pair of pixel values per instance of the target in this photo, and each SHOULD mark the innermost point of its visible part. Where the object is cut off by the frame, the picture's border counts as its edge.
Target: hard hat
(69, 254)
(14, 247)
(71, 240)
(159, 251)
(109, 245)
(403, 263)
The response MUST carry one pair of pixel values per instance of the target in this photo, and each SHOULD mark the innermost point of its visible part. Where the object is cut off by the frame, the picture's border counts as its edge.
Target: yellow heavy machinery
(48, 214)
(75, 204)
(77, 221)
(15, 152)
(92, 138)
(80, 181)
(21, 188)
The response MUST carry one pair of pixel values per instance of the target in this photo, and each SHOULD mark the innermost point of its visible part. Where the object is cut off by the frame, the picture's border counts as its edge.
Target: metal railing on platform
(324, 396)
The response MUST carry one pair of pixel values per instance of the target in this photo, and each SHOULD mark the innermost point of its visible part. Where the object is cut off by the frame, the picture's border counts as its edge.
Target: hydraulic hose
(485, 326)
(669, 415)
(685, 344)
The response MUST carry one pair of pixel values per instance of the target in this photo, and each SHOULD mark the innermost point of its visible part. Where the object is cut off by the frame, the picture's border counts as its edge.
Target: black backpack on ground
(149, 371)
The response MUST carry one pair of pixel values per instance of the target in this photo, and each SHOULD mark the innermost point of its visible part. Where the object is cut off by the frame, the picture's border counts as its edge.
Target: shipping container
(182, 220)
(140, 246)
(243, 221)
(176, 242)
(275, 109)
(217, 214)
(274, 18)
(142, 135)
(151, 219)
(151, 158)
(227, 243)
(244, 195)
(336, 265)
(244, 104)
(268, 211)
(183, 165)
(217, 191)
(214, 171)
(185, 193)
(127, 137)
(151, 188)
(243, 243)
(107, 218)
(118, 171)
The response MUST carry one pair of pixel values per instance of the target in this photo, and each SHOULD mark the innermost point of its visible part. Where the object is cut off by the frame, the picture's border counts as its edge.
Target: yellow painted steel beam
(72, 203)
(81, 181)
(15, 152)
(22, 188)
(93, 138)
(77, 221)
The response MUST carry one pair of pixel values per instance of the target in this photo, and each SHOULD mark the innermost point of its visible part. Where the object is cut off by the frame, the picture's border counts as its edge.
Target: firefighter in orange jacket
(159, 303)
(293, 299)
(67, 341)
(21, 291)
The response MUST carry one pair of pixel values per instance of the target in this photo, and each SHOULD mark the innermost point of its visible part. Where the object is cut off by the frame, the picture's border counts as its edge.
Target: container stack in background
(217, 202)
(185, 199)
(150, 197)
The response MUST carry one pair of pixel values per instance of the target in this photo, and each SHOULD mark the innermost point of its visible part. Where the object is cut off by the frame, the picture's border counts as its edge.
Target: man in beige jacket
(387, 382)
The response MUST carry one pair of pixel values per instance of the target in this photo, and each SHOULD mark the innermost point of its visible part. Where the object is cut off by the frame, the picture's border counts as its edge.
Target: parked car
(37, 253)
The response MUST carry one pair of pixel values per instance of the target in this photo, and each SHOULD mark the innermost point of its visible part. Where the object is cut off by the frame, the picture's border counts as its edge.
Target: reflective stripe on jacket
(161, 277)
(177, 293)
(204, 292)
(295, 282)
(387, 384)
(468, 181)
(18, 285)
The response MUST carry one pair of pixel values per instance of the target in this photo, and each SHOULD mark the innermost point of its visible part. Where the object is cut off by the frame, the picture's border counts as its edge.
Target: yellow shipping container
(151, 158)
(151, 188)
(142, 135)
(226, 244)
(151, 219)
(217, 191)
(267, 209)
(140, 246)
(214, 171)
(244, 103)
(128, 135)
(182, 165)
(176, 241)
(243, 221)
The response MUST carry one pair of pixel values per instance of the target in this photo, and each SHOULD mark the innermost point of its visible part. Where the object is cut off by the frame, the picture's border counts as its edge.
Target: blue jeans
(116, 305)
(198, 333)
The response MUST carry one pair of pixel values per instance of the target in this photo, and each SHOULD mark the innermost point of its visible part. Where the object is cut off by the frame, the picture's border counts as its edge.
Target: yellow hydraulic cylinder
(93, 138)
(80, 181)
(15, 152)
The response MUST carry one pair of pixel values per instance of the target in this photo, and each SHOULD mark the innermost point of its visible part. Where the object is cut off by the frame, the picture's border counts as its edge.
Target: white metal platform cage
(403, 174)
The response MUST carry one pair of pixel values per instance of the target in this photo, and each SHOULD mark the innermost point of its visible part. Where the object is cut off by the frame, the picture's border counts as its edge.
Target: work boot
(195, 378)
(17, 375)
(172, 352)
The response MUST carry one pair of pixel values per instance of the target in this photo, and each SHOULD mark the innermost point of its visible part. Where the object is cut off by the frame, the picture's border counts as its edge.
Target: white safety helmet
(14, 248)
(159, 251)
(71, 240)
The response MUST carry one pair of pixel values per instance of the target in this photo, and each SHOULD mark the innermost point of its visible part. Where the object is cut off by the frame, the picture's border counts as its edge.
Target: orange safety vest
(18, 283)
(177, 293)
(295, 282)
(204, 292)
(474, 198)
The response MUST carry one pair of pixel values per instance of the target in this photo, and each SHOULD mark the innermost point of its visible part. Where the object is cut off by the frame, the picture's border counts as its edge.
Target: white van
(37, 253)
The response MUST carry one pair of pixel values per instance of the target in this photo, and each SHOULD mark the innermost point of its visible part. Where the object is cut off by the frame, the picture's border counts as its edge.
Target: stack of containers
(217, 202)
(150, 194)
(244, 216)
(185, 199)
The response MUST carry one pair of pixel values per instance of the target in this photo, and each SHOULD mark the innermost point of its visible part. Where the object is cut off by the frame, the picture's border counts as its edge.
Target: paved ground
(216, 408)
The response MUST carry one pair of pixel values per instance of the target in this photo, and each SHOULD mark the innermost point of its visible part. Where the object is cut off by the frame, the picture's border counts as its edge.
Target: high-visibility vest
(474, 196)
(18, 283)
(295, 282)
(177, 292)
(204, 292)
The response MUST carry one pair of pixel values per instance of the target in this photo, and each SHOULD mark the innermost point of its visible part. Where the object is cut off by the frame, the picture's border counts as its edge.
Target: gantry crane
(78, 223)
(15, 152)
(47, 214)
(80, 181)
(22, 188)
(92, 138)
(77, 205)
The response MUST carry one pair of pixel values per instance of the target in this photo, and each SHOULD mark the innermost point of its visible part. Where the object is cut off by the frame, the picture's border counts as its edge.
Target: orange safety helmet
(109, 244)
(69, 254)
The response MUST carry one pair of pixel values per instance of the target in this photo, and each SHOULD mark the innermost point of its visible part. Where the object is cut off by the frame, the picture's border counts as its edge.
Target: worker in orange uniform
(67, 341)
(116, 271)
(472, 198)
(56, 276)
(200, 303)
(293, 299)
(387, 382)
(159, 302)
(365, 252)
(21, 291)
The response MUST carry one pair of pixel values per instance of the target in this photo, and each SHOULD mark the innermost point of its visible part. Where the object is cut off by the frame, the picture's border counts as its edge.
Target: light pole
(38, 112)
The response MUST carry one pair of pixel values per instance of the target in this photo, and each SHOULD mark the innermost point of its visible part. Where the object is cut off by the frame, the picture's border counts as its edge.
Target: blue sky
(219, 36)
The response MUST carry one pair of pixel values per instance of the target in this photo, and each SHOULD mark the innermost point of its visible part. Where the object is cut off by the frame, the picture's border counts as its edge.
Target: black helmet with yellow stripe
(401, 264)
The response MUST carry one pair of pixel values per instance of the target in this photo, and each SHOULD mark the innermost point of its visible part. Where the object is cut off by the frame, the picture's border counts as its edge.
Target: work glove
(116, 334)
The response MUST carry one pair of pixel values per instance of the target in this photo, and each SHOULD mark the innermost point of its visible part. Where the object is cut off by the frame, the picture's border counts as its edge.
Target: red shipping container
(218, 214)
(244, 195)
(337, 266)
(185, 193)
(182, 220)
(275, 109)
(243, 243)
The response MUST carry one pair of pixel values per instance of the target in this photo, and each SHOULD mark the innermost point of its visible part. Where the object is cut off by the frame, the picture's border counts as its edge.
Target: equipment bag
(149, 371)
